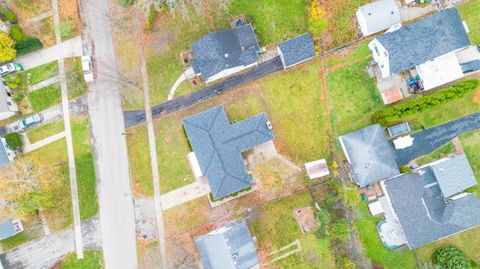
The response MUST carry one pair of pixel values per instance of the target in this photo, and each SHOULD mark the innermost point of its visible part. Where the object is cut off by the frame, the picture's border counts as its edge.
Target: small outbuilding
(378, 16)
(229, 247)
(316, 169)
(10, 227)
(296, 50)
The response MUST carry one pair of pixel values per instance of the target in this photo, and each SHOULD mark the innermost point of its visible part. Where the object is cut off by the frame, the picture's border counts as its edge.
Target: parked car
(471, 66)
(31, 121)
(87, 68)
(10, 68)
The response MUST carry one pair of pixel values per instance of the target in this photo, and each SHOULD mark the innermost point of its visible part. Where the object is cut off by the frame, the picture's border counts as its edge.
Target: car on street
(30, 121)
(7, 69)
(87, 68)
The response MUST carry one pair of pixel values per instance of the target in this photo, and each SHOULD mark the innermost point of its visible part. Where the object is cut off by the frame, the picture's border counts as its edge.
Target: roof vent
(226, 55)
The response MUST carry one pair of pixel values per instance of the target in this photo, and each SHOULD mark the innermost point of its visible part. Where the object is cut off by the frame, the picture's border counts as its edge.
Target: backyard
(366, 225)
(353, 94)
(295, 94)
(469, 12)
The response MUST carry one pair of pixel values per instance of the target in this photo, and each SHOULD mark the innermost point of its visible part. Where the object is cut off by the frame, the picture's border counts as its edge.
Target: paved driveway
(46, 251)
(138, 116)
(431, 139)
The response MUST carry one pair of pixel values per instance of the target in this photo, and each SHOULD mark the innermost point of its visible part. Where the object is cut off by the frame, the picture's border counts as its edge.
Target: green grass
(15, 240)
(92, 260)
(164, 65)
(46, 97)
(353, 96)
(341, 28)
(76, 85)
(276, 227)
(438, 154)
(469, 13)
(172, 148)
(374, 249)
(359, 53)
(294, 104)
(139, 160)
(46, 130)
(471, 145)
(85, 169)
(273, 20)
(466, 241)
(41, 73)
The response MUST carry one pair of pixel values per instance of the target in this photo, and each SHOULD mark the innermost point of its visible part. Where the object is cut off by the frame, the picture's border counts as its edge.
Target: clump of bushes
(451, 258)
(8, 15)
(13, 140)
(24, 44)
(126, 3)
(423, 103)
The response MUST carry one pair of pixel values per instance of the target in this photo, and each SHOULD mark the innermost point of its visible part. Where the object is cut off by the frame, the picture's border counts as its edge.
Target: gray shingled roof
(424, 40)
(424, 214)
(230, 247)
(3, 155)
(225, 49)
(380, 15)
(297, 49)
(454, 175)
(370, 155)
(6, 229)
(218, 145)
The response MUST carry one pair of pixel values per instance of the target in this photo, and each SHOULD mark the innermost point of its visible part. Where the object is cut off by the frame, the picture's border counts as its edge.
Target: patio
(390, 231)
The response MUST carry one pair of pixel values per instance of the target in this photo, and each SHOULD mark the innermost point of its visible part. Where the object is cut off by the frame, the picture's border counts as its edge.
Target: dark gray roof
(218, 145)
(230, 247)
(424, 40)
(370, 155)
(6, 229)
(297, 49)
(423, 212)
(454, 175)
(3, 154)
(225, 49)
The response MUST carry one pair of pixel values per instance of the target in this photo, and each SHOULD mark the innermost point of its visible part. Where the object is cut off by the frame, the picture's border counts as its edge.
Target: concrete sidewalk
(31, 147)
(66, 49)
(184, 194)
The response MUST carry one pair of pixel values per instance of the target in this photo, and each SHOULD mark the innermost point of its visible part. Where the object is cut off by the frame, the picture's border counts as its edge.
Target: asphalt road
(136, 117)
(117, 218)
(430, 139)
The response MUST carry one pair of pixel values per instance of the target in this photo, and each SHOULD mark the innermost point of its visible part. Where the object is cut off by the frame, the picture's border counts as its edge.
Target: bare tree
(179, 257)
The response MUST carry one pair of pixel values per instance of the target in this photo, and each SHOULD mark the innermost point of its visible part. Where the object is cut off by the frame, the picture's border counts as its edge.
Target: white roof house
(8, 107)
(439, 71)
(378, 16)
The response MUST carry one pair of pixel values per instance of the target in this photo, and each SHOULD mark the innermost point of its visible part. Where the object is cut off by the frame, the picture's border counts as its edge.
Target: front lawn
(469, 13)
(92, 260)
(366, 225)
(76, 84)
(46, 130)
(84, 165)
(353, 97)
(46, 97)
(139, 160)
(275, 226)
(438, 154)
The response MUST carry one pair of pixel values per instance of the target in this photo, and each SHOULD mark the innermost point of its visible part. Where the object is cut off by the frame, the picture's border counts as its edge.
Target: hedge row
(27, 46)
(423, 103)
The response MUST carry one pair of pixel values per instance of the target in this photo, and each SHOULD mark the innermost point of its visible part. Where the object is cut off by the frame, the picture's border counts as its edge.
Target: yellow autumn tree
(7, 48)
(29, 186)
(317, 19)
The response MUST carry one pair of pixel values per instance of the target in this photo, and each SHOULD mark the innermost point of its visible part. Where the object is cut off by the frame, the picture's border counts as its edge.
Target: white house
(428, 46)
(8, 107)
